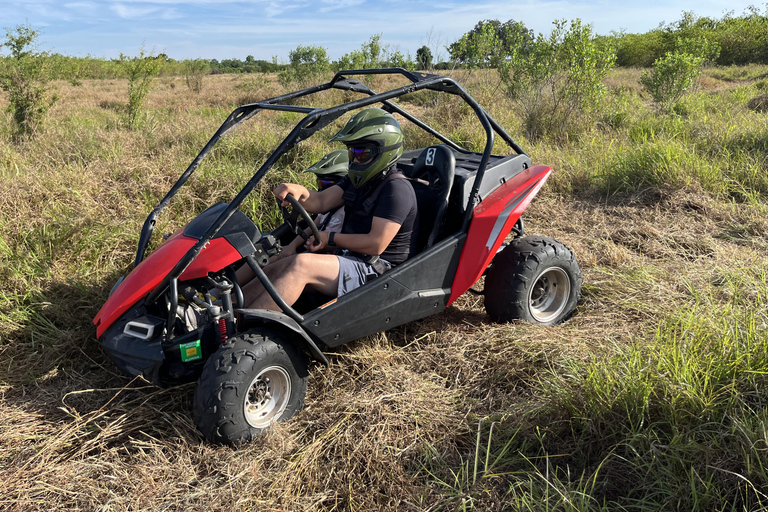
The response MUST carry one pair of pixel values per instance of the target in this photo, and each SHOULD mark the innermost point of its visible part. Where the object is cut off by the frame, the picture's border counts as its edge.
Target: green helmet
(376, 128)
(332, 165)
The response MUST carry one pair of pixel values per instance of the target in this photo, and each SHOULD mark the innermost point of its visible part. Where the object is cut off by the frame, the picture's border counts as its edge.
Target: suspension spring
(223, 330)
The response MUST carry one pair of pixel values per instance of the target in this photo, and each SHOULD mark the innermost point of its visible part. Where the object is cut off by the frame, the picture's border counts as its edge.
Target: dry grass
(75, 435)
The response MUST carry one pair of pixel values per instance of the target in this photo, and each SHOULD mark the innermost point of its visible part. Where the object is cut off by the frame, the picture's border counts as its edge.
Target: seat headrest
(435, 161)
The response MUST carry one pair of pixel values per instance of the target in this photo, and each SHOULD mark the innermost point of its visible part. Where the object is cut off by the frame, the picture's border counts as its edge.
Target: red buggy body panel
(143, 279)
(492, 220)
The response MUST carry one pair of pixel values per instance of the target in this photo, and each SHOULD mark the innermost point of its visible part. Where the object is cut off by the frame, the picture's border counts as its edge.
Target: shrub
(424, 57)
(194, 71)
(557, 80)
(490, 42)
(674, 74)
(372, 54)
(307, 65)
(25, 75)
(141, 71)
(397, 59)
(638, 50)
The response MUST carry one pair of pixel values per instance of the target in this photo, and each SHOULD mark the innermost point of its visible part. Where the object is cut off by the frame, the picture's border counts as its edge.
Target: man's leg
(291, 275)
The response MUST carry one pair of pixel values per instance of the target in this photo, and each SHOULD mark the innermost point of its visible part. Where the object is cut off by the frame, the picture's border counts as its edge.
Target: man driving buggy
(329, 170)
(380, 224)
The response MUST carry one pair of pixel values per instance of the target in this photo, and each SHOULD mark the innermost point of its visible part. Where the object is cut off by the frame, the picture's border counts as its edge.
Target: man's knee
(295, 265)
(279, 267)
(306, 268)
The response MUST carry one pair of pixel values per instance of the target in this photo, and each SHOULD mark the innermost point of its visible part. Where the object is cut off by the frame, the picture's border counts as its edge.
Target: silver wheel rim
(549, 295)
(267, 397)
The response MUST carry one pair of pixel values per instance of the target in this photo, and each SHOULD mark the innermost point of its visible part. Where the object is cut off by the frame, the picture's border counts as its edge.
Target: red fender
(144, 278)
(492, 220)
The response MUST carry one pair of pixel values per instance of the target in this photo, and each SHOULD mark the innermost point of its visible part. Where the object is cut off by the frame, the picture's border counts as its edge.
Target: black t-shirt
(396, 201)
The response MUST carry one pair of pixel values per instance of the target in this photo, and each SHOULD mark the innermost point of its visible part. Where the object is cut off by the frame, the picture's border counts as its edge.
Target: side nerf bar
(492, 220)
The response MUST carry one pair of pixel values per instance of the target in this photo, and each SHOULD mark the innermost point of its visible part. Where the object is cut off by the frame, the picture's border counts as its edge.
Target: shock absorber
(226, 318)
(223, 337)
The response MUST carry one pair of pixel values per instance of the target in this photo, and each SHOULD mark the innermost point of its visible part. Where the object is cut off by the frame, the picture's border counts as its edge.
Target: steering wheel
(293, 215)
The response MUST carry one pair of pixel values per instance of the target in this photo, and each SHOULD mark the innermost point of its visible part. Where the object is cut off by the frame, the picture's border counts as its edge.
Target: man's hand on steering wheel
(296, 212)
(300, 192)
(314, 244)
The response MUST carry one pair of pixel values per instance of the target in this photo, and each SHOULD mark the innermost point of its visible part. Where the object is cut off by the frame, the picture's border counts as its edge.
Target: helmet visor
(362, 154)
(323, 183)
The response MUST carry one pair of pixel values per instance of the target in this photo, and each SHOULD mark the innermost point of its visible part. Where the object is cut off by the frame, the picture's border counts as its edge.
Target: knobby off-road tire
(535, 279)
(256, 379)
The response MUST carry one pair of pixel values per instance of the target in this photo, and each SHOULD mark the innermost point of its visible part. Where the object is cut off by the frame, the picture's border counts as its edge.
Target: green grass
(674, 423)
(652, 397)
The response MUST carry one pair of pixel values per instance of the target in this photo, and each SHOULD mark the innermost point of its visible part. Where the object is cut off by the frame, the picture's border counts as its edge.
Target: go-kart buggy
(179, 315)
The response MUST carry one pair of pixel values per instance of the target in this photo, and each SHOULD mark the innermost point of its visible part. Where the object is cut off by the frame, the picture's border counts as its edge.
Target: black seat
(434, 170)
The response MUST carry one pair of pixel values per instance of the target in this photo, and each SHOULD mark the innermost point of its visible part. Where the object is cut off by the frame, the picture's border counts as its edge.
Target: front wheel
(248, 384)
(535, 279)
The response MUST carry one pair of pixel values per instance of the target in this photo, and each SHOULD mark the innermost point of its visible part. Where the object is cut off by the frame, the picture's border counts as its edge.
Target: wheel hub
(549, 294)
(267, 397)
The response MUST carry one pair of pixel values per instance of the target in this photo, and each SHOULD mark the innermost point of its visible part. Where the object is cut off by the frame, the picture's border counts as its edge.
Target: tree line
(742, 39)
(555, 79)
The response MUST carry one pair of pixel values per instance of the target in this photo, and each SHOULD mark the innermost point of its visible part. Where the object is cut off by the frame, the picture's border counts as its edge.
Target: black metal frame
(315, 120)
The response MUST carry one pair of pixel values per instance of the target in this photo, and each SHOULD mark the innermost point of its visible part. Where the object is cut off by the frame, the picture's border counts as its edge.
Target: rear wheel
(255, 380)
(535, 279)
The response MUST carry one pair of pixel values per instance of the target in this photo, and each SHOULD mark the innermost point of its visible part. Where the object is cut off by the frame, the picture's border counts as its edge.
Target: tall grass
(677, 422)
(652, 397)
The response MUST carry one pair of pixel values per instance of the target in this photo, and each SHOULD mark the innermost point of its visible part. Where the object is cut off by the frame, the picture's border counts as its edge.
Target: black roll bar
(315, 120)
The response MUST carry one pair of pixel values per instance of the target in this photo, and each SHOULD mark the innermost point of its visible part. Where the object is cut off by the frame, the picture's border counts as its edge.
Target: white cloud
(127, 12)
(335, 5)
(170, 14)
(131, 13)
(80, 6)
(277, 8)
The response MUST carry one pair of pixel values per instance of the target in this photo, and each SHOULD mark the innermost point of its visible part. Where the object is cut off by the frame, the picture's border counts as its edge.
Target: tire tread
(513, 269)
(215, 412)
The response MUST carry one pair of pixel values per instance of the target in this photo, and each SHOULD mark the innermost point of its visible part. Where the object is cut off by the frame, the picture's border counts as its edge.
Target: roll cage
(316, 119)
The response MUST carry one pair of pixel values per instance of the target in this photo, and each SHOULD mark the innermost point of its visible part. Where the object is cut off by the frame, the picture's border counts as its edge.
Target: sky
(225, 29)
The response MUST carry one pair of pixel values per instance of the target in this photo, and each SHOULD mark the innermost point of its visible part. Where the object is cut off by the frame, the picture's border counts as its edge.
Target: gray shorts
(354, 273)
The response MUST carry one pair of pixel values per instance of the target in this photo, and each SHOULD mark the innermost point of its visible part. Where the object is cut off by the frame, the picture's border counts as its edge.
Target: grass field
(653, 396)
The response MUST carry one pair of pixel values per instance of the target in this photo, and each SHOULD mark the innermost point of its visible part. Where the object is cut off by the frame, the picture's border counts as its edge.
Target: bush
(638, 50)
(307, 65)
(424, 57)
(489, 43)
(372, 54)
(557, 81)
(25, 75)
(194, 71)
(397, 59)
(674, 74)
(141, 71)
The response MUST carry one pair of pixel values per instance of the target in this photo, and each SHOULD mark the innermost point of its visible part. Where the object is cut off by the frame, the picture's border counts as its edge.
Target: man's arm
(373, 243)
(312, 200)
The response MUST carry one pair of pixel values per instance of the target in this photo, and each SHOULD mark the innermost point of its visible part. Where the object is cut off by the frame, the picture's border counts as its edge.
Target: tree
(373, 51)
(370, 55)
(557, 80)
(673, 75)
(489, 42)
(424, 57)
(194, 71)
(396, 59)
(141, 71)
(25, 76)
(307, 65)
